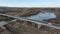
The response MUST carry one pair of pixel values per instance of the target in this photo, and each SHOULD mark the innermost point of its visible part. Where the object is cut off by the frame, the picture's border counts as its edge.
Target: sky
(30, 3)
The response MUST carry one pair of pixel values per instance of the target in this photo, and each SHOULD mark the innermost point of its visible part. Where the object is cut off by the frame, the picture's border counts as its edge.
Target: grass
(8, 20)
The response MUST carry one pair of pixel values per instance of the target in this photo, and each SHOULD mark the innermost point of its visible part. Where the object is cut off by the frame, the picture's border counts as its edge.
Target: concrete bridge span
(39, 23)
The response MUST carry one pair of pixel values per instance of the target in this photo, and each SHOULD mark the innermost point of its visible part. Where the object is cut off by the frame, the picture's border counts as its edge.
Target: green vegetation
(8, 20)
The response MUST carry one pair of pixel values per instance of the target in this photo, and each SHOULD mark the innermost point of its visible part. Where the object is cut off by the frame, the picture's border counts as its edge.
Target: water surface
(42, 16)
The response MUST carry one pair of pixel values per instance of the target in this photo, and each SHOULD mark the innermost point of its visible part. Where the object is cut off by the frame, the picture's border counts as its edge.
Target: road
(3, 22)
(57, 26)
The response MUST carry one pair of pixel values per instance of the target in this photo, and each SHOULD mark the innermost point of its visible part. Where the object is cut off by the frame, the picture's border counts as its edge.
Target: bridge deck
(57, 26)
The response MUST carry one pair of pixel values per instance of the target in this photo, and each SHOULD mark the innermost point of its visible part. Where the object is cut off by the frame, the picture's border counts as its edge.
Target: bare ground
(23, 28)
(26, 29)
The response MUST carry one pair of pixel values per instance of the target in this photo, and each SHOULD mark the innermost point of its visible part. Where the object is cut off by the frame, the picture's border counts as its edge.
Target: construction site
(23, 20)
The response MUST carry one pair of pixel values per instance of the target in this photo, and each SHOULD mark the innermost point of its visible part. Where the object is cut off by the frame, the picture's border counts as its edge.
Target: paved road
(4, 23)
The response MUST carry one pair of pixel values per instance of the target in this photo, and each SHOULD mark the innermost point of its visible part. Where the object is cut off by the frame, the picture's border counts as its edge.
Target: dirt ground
(54, 20)
(25, 12)
(23, 28)
(18, 28)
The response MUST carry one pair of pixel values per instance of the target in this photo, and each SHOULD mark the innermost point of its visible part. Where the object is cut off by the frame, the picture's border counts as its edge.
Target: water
(42, 16)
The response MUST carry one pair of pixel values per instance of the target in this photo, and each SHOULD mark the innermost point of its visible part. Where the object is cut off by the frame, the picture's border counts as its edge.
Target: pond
(42, 16)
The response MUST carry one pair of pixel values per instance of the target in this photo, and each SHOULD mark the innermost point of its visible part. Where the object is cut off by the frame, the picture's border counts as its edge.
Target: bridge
(39, 23)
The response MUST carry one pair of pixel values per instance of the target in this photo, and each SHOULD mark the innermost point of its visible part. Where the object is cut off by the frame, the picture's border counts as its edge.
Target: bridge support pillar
(39, 25)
